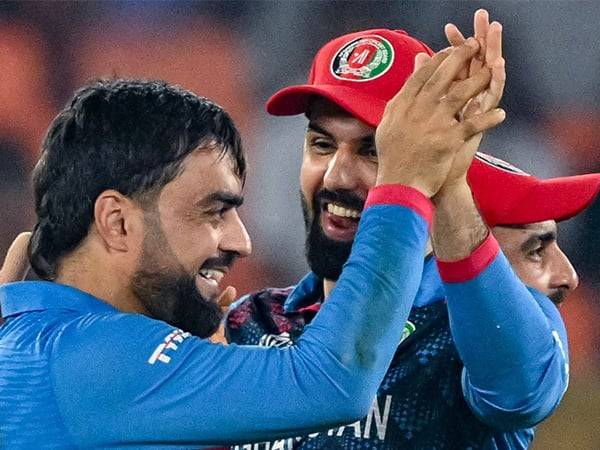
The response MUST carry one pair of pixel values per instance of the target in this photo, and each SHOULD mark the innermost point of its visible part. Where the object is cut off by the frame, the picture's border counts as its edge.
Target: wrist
(457, 189)
(396, 180)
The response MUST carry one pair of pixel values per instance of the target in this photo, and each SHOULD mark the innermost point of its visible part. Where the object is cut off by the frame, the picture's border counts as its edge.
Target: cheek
(368, 174)
(192, 243)
(311, 176)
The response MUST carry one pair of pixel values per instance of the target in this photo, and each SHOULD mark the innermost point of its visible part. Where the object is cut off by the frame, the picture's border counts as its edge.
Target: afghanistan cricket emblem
(363, 59)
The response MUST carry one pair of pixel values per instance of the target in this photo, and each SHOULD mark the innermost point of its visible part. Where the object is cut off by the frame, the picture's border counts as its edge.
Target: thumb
(227, 297)
(16, 263)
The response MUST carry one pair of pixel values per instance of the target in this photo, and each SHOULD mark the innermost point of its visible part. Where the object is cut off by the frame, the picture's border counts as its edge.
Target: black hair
(126, 135)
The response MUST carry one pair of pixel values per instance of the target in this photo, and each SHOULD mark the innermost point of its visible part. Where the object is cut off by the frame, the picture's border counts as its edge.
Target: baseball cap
(506, 195)
(360, 72)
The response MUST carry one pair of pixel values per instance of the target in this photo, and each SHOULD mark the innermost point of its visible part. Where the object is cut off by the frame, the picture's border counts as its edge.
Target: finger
(420, 60)
(496, 89)
(481, 24)
(493, 43)
(453, 34)
(460, 93)
(227, 297)
(456, 39)
(448, 70)
(476, 65)
(473, 108)
(16, 263)
(416, 81)
(482, 122)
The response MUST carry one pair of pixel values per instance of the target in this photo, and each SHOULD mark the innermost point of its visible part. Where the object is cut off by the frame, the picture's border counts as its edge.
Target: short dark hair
(127, 135)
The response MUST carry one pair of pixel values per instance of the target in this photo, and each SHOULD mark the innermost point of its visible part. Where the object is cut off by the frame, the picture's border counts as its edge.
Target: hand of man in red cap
(16, 263)
(458, 228)
(419, 135)
(489, 37)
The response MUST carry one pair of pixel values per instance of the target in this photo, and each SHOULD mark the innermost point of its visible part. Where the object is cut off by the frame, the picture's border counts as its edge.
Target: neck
(328, 286)
(104, 282)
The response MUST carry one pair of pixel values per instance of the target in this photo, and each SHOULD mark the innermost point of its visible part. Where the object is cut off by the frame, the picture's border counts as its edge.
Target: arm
(114, 387)
(511, 340)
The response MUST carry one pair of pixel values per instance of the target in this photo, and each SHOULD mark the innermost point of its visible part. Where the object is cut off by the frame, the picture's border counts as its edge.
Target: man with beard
(482, 359)
(136, 196)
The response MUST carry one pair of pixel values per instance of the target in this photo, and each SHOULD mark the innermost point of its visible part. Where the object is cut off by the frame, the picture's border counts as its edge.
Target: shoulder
(110, 337)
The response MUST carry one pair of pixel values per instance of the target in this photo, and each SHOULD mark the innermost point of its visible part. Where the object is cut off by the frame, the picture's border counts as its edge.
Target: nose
(563, 272)
(342, 170)
(235, 236)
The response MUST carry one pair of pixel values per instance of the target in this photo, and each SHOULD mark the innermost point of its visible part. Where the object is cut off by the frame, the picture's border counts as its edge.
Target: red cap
(506, 195)
(360, 72)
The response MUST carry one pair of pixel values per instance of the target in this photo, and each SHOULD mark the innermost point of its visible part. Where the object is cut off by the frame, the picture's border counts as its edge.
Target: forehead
(328, 114)
(202, 172)
(519, 233)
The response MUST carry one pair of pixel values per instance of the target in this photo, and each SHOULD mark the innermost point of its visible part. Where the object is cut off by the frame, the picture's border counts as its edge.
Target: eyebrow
(532, 241)
(228, 198)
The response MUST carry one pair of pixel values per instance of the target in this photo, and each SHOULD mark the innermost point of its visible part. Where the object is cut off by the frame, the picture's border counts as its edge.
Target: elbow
(519, 401)
(355, 407)
(526, 412)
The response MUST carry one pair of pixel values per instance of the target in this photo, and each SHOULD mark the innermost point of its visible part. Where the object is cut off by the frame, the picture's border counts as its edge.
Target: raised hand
(489, 37)
(420, 134)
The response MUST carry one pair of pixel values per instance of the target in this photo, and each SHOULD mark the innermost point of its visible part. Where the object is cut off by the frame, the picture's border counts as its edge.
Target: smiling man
(483, 359)
(136, 196)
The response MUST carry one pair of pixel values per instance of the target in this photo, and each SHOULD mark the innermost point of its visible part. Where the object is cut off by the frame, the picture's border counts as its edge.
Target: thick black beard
(174, 298)
(167, 291)
(326, 257)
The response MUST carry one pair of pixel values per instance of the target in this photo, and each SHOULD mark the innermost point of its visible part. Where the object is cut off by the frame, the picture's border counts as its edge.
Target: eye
(536, 254)
(220, 212)
(321, 146)
(371, 153)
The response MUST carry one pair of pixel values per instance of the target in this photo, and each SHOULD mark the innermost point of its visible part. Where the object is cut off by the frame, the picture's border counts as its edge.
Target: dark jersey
(421, 403)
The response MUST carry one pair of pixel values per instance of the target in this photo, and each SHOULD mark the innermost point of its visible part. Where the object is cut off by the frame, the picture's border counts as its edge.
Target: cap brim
(294, 100)
(554, 199)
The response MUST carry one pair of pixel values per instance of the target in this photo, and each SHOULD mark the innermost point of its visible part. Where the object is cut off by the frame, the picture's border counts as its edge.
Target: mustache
(224, 260)
(558, 295)
(340, 196)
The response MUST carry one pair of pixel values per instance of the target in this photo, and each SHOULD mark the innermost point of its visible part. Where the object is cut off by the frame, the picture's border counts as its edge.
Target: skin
(537, 259)
(339, 154)
(197, 213)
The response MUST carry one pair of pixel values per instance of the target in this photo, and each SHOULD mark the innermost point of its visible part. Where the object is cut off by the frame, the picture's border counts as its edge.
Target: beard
(326, 257)
(170, 294)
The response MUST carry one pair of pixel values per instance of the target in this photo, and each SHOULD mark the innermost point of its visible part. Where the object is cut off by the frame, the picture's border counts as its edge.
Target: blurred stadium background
(240, 52)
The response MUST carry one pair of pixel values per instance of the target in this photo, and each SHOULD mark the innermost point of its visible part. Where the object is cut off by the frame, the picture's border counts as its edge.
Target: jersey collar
(26, 296)
(309, 289)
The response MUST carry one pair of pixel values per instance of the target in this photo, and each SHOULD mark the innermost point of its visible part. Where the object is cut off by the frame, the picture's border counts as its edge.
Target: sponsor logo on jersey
(161, 352)
(363, 59)
(409, 328)
(275, 340)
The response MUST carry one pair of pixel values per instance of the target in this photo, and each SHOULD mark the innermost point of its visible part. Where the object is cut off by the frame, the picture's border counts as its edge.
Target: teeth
(338, 210)
(212, 274)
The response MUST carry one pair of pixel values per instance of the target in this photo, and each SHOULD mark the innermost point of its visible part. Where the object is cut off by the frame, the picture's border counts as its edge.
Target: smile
(341, 211)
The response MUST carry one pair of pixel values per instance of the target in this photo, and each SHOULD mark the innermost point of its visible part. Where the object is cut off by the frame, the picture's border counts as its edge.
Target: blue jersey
(469, 373)
(76, 372)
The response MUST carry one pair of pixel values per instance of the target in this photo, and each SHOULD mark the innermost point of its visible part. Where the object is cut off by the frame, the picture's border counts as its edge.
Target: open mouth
(339, 222)
(207, 281)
